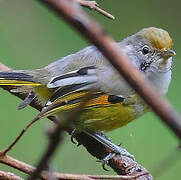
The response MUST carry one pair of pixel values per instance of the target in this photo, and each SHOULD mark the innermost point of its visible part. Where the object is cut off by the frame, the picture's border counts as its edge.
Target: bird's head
(150, 49)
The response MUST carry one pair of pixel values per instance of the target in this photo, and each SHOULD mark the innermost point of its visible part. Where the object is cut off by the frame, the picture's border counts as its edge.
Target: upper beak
(168, 53)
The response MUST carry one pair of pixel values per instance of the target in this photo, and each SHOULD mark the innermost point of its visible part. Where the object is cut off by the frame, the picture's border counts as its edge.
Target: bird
(113, 102)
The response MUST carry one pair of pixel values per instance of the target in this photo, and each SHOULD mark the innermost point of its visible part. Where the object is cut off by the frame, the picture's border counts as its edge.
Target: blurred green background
(32, 37)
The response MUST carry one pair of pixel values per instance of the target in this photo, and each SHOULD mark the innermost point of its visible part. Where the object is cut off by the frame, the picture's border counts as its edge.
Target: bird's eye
(145, 50)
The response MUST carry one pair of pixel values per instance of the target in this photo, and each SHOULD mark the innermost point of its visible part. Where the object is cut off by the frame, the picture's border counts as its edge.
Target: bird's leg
(115, 149)
(106, 160)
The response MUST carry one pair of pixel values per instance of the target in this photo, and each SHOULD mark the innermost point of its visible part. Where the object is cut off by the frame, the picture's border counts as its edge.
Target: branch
(95, 6)
(26, 168)
(8, 176)
(121, 165)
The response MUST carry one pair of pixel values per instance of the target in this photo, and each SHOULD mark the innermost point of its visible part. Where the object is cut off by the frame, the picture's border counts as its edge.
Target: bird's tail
(17, 78)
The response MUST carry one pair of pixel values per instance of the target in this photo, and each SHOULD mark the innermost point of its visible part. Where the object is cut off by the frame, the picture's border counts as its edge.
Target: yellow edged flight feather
(98, 114)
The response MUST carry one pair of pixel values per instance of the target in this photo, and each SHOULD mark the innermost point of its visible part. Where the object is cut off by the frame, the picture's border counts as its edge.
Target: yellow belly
(107, 118)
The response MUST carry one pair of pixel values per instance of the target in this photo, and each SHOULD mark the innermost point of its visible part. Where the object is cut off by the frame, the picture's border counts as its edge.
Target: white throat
(160, 80)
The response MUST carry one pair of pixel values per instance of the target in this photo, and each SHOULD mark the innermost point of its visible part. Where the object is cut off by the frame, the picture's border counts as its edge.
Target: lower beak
(168, 53)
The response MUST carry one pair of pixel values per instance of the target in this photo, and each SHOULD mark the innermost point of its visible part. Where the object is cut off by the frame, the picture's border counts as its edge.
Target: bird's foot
(123, 152)
(117, 150)
(105, 160)
(73, 135)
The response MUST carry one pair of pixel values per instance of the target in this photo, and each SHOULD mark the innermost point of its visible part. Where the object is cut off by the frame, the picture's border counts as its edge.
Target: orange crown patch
(159, 38)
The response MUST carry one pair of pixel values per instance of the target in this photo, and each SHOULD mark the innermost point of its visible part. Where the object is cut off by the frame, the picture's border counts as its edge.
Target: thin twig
(12, 162)
(26, 168)
(108, 177)
(95, 6)
(19, 136)
(56, 137)
(104, 13)
(8, 176)
(54, 141)
(38, 117)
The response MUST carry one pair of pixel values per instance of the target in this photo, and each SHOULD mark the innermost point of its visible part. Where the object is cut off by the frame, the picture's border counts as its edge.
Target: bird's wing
(85, 75)
(17, 78)
(70, 97)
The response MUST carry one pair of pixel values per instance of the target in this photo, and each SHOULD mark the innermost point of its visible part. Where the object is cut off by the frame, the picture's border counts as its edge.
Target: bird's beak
(168, 53)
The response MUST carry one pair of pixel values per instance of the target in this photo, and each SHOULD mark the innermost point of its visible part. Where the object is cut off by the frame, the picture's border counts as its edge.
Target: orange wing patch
(102, 100)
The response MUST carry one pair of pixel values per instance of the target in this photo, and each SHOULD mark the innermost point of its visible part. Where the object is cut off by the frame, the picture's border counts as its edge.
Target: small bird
(113, 103)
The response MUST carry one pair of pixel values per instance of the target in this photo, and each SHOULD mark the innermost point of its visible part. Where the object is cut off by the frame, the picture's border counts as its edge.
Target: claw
(105, 160)
(111, 155)
(78, 144)
(123, 152)
(73, 135)
(72, 138)
(103, 166)
(104, 163)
